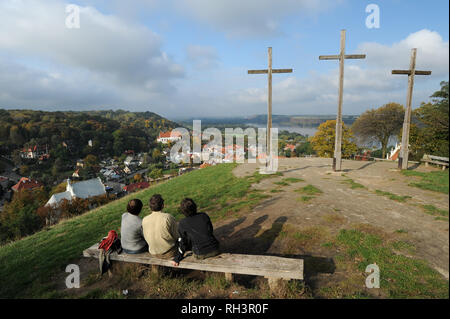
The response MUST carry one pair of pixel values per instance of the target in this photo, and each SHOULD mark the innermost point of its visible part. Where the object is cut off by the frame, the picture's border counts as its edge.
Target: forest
(67, 136)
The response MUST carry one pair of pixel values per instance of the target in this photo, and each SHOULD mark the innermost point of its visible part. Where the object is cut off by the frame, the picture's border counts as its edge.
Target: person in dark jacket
(195, 233)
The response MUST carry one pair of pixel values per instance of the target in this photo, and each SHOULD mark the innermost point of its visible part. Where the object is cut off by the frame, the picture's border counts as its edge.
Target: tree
(378, 125)
(157, 156)
(304, 149)
(138, 178)
(323, 141)
(155, 173)
(17, 135)
(91, 160)
(19, 217)
(58, 167)
(430, 125)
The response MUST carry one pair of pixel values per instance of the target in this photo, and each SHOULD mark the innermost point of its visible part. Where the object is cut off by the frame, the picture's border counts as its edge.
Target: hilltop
(339, 223)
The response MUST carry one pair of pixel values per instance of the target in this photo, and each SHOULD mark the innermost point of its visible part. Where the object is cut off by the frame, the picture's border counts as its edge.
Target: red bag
(108, 241)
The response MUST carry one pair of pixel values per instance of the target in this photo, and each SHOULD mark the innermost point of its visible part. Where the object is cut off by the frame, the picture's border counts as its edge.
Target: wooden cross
(404, 152)
(269, 72)
(337, 159)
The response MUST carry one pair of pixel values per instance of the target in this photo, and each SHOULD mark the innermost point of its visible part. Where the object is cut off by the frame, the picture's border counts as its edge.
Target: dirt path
(341, 206)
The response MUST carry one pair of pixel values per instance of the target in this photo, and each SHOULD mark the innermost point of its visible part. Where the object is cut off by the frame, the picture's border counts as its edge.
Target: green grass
(281, 183)
(400, 276)
(309, 190)
(292, 180)
(353, 184)
(436, 181)
(432, 210)
(276, 190)
(257, 177)
(305, 198)
(28, 264)
(397, 198)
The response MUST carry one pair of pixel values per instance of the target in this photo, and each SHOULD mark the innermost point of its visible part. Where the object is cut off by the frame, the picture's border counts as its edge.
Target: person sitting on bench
(132, 237)
(160, 229)
(195, 233)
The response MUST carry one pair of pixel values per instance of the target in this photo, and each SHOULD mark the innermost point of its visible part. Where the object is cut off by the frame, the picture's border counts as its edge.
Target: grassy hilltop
(35, 266)
(29, 263)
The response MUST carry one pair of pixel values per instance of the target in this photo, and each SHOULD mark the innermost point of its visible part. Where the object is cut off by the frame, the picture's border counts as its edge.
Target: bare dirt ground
(341, 206)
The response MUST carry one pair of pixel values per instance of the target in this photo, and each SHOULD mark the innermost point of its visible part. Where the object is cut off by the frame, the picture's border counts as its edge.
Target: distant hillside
(64, 137)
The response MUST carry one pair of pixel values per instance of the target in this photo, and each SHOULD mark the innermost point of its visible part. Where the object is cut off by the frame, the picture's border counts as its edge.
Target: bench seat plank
(258, 265)
(436, 162)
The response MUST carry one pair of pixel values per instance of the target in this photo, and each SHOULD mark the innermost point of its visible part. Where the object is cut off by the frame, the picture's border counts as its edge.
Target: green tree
(156, 156)
(155, 173)
(58, 167)
(19, 217)
(304, 148)
(430, 126)
(323, 141)
(378, 125)
(17, 135)
(91, 160)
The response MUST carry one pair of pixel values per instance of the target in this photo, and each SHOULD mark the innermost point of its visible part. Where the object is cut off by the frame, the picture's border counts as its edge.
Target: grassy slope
(32, 260)
(28, 265)
(434, 181)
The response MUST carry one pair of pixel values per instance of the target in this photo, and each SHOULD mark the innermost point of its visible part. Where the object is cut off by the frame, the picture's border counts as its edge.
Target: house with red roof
(26, 183)
(34, 152)
(290, 147)
(166, 137)
(133, 187)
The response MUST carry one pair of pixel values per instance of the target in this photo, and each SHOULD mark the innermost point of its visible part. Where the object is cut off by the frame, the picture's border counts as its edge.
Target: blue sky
(187, 58)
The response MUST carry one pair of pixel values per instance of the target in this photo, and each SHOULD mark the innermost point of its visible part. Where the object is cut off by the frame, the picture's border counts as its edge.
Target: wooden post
(156, 270)
(275, 283)
(229, 276)
(337, 158)
(269, 71)
(338, 139)
(269, 103)
(404, 152)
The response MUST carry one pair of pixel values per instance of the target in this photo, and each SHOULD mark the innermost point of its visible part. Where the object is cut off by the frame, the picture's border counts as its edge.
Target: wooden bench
(436, 160)
(273, 268)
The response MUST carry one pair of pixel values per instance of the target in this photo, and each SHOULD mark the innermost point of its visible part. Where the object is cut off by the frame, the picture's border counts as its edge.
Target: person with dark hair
(131, 233)
(195, 233)
(160, 229)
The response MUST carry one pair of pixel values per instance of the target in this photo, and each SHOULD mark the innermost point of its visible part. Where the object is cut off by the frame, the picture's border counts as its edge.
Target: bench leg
(426, 164)
(229, 276)
(156, 269)
(274, 283)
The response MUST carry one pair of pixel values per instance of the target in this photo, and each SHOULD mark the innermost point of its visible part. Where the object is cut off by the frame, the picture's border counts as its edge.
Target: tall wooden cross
(404, 152)
(337, 158)
(269, 72)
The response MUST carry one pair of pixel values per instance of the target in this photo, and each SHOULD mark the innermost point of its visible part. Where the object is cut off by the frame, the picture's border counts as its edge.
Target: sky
(189, 58)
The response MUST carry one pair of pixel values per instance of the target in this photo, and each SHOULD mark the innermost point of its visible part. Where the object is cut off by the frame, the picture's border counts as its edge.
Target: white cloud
(251, 17)
(368, 83)
(202, 57)
(114, 62)
(432, 53)
(118, 54)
